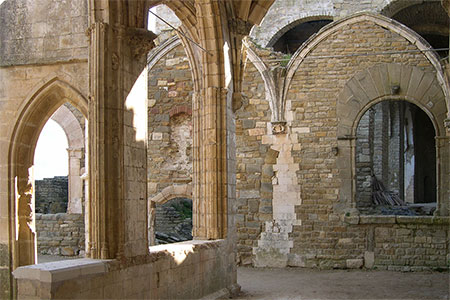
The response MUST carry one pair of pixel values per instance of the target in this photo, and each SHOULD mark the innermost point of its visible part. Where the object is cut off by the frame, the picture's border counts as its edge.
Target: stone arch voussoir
(171, 192)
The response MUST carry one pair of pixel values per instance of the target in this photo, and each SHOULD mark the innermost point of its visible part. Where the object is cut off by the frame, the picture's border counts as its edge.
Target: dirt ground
(299, 283)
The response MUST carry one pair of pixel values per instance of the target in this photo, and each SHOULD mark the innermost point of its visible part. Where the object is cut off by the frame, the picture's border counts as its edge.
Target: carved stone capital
(240, 27)
(279, 127)
(141, 41)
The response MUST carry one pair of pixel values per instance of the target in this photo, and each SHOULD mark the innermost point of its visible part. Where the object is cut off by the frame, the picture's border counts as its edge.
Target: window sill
(429, 220)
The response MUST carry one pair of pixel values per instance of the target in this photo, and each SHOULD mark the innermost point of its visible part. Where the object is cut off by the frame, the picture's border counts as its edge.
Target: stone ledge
(62, 270)
(427, 220)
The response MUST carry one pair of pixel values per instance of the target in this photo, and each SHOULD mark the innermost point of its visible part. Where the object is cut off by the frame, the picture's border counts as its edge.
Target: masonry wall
(60, 234)
(284, 14)
(318, 241)
(169, 122)
(51, 195)
(41, 40)
(42, 31)
(318, 235)
(254, 162)
(188, 270)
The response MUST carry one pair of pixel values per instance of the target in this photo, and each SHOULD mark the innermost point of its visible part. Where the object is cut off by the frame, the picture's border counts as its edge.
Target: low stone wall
(60, 234)
(188, 270)
(397, 243)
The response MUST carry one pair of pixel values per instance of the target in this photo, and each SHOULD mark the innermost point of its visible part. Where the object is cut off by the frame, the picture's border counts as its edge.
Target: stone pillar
(210, 164)
(117, 146)
(210, 116)
(74, 205)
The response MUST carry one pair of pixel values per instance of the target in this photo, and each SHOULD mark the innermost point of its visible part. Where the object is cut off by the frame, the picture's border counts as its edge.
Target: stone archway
(76, 139)
(389, 82)
(170, 192)
(32, 117)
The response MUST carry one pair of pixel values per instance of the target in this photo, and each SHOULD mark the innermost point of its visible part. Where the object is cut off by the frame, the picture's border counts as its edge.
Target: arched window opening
(51, 170)
(395, 160)
(170, 143)
(289, 42)
(59, 163)
(160, 28)
(173, 221)
(428, 19)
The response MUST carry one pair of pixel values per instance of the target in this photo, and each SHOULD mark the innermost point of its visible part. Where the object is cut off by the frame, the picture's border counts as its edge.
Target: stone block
(369, 259)
(377, 219)
(354, 263)
(248, 194)
(256, 131)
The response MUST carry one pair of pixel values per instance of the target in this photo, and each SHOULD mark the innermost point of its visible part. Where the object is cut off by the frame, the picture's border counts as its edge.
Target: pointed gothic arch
(33, 115)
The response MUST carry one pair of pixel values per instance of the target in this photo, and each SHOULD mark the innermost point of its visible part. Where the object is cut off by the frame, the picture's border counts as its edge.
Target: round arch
(33, 115)
(363, 91)
(168, 193)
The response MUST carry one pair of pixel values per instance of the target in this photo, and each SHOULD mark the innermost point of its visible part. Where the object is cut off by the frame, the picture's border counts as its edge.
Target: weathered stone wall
(41, 41)
(284, 14)
(51, 195)
(312, 100)
(254, 161)
(198, 268)
(397, 243)
(317, 237)
(60, 234)
(44, 31)
(169, 122)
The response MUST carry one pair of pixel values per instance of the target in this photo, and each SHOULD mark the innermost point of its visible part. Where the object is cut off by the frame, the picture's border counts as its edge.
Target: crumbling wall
(169, 122)
(319, 236)
(60, 234)
(322, 240)
(45, 31)
(51, 195)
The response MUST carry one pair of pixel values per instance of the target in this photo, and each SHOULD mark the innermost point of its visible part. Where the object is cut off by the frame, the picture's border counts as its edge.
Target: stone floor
(299, 283)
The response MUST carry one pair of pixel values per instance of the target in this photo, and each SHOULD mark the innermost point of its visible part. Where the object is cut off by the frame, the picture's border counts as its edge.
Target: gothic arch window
(395, 160)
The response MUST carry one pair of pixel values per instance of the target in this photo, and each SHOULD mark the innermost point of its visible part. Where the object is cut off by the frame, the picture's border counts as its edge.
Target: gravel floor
(299, 283)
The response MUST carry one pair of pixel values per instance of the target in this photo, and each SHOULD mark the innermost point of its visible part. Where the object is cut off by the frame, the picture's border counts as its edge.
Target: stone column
(74, 205)
(117, 152)
(210, 165)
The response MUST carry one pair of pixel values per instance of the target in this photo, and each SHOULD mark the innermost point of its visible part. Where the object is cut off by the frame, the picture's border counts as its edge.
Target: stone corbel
(279, 127)
(141, 41)
(237, 101)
